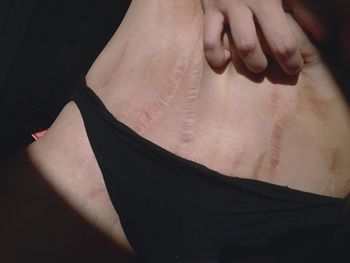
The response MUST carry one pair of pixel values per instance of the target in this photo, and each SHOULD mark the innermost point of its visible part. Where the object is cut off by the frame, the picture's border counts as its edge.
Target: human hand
(241, 16)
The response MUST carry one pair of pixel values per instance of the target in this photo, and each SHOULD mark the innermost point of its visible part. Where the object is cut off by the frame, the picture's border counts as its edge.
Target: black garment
(14, 17)
(175, 210)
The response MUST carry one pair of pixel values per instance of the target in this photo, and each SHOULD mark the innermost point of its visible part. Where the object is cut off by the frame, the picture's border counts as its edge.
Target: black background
(44, 47)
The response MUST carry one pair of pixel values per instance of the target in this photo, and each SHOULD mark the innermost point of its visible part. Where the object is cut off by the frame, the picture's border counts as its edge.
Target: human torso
(153, 76)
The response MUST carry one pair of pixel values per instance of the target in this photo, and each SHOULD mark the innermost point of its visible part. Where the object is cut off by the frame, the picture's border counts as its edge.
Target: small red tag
(37, 135)
(34, 122)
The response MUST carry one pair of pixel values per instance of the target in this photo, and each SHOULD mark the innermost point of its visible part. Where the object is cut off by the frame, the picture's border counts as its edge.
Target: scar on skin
(277, 132)
(335, 160)
(275, 99)
(311, 101)
(276, 143)
(194, 85)
(171, 86)
(259, 165)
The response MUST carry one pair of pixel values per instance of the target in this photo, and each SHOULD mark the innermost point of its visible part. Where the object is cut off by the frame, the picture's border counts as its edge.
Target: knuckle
(259, 67)
(210, 45)
(216, 63)
(264, 7)
(294, 68)
(215, 59)
(285, 47)
(245, 47)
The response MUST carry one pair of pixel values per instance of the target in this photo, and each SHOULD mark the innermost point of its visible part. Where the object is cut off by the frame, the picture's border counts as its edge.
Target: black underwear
(176, 210)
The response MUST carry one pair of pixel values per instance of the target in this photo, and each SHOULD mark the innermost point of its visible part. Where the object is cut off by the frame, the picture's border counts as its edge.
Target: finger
(215, 52)
(308, 20)
(274, 24)
(309, 52)
(245, 38)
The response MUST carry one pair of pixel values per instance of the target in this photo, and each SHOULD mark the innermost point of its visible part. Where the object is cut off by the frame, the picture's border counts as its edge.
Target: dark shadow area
(336, 45)
(337, 61)
(303, 245)
(44, 47)
(273, 73)
(37, 225)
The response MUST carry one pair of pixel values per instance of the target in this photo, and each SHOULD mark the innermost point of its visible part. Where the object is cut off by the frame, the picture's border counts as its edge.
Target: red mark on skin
(277, 132)
(259, 165)
(176, 75)
(335, 160)
(237, 161)
(95, 193)
(275, 147)
(275, 99)
(162, 102)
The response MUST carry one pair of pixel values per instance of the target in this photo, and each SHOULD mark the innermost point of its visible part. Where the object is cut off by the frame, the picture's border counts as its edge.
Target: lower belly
(278, 134)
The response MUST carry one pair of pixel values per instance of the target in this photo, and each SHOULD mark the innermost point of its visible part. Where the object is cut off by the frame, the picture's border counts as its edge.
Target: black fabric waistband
(173, 208)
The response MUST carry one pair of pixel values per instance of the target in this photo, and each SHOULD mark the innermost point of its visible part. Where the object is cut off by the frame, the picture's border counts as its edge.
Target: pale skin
(247, 18)
(283, 130)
